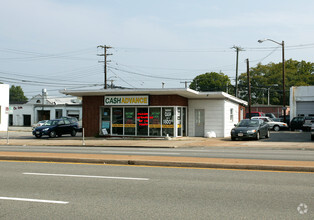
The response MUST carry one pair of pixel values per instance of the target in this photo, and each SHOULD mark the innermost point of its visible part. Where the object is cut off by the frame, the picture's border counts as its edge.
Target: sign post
(7, 109)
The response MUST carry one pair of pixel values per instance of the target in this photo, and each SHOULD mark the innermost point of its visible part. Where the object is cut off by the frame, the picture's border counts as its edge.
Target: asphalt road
(219, 152)
(77, 191)
(281, 136)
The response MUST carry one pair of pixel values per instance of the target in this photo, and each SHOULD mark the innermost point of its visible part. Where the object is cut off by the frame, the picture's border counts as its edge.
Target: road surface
(219, 152)
(78, 191)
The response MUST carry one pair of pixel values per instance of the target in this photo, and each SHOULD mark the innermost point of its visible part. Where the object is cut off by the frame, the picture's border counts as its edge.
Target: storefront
(125, 115)
(157, 112)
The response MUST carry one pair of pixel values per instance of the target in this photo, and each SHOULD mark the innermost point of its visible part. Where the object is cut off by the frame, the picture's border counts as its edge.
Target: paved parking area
(281, 139)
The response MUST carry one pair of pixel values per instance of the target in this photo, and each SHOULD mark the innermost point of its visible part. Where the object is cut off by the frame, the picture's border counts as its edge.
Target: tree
(17, 94)
(212, 82)
(264, 77)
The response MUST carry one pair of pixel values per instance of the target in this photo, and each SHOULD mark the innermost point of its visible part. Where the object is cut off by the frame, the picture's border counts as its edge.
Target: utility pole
(186, 83)
(105, 54)
(237, 48)
(249, 86)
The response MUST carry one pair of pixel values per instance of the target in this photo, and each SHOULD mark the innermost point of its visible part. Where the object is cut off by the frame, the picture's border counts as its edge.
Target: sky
(53, 44)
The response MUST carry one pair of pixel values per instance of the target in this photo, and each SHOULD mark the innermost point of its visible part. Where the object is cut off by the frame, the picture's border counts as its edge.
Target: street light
(283, 74)
(268, 101)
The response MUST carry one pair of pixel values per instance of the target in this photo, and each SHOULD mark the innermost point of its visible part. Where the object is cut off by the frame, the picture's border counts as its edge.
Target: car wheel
(312, 137)
(268, 134)
(233, 138)
(38, 135)
(73, 133)
(52, 134)
(257, 136)
(276, 128)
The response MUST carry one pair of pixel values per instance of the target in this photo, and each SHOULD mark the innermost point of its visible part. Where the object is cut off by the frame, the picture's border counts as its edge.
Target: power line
(150, 76)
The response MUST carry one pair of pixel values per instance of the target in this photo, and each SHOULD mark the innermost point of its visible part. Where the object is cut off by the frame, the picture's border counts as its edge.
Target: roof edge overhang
(184, 92)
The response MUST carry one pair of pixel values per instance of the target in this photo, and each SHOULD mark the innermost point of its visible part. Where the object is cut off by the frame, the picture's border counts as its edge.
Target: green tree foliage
(17, 94)
(268, 76)
(212, 82)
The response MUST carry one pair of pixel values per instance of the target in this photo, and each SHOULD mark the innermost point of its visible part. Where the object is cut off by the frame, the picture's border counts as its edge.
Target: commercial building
(301, 101)
(44, 107)
(4, 106)
(158, 112)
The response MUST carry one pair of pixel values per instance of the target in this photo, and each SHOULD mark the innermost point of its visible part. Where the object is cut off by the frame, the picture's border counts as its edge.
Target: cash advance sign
(126, 100)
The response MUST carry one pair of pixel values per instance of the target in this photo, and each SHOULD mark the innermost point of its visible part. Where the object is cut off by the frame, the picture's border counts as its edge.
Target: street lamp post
(283, 74)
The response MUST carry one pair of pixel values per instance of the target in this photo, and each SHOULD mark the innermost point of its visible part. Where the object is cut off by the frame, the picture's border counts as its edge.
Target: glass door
(129, 123)
(142, 121)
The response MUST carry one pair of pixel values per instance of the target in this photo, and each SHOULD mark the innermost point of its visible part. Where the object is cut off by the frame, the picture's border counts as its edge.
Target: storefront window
(179, 125)
(105, 121)
(167, 121)
(117, 121)
(155, 122)
(142, 121)
(129, 124)
(183, 118)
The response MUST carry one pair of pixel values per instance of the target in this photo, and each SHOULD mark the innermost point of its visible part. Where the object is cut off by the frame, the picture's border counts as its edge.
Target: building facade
(158, 112)
(301, 101)
(43, 107)
(4, 106)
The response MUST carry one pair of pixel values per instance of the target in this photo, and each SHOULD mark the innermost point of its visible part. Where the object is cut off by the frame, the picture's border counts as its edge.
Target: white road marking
(134, 152)
(86, 176)
(33, 200)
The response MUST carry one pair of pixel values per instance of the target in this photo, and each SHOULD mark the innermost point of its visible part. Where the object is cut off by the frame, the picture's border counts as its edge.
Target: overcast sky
(52, 44)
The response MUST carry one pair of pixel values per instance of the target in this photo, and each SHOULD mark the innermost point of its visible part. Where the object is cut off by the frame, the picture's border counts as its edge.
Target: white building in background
(44, 107)
(301, 101)
(4, 106)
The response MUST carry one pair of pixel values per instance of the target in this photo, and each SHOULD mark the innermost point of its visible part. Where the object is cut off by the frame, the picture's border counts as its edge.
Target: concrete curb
(162, 163)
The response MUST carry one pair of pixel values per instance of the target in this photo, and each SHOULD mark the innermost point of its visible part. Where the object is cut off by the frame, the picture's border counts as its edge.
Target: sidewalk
(25, 139)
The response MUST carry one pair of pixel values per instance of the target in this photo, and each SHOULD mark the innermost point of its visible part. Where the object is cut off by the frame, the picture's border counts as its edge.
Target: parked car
(56, 127)
(250, 129)
(274, 125)
(297, 123)
(308, 121)
(38, 124)
(254, 114)
(74, 120)
(272, 117)
(285, 121)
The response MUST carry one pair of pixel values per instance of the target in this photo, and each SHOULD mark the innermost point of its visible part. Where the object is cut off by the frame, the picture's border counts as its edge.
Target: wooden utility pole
(105, 62)
(249, 86)
(237, 48)
(186, 83)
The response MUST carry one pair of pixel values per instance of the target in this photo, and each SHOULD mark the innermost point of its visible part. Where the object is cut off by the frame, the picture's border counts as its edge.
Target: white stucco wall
(4, 103)
(214, 115)
(228, 123)
(19, 110)
(297, 94)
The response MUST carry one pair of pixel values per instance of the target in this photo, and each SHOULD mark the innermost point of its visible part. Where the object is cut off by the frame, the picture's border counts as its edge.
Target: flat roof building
(158, 112)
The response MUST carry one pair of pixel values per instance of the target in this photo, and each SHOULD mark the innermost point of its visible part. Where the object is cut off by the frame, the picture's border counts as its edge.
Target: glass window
(142, 121)
(117, 121)
(179, 125)
(129, 123)
(183, 118)
(167, 121)
(231, 114)
(155, 121)
(105, 121)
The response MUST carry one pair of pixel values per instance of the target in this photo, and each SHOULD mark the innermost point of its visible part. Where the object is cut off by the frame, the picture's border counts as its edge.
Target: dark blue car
(56, 127)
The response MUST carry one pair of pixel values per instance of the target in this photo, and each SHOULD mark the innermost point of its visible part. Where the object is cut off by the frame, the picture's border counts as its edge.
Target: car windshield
(248, 123)
(51, 122)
